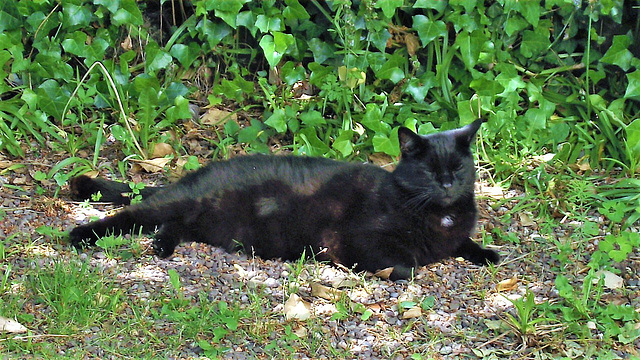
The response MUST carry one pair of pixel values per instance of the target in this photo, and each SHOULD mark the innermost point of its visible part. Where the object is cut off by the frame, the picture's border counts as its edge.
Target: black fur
(354, 214)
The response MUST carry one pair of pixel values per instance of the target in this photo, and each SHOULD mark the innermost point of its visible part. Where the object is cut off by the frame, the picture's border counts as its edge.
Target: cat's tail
(83, 186)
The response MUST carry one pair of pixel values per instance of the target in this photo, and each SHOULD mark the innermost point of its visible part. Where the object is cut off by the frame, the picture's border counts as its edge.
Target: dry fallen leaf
(5, 164)
(161, 150)
(526, 219)
(325, 292)
(296, 308)
(412, 313)
(413, 44)
(300, 331)
(11, 326)
(611, 280)
(153, 165)
(215, 116)
(492, 191)
(127, 44)
(382, 160)
(384, 273)
(507, 285)
(338, 282)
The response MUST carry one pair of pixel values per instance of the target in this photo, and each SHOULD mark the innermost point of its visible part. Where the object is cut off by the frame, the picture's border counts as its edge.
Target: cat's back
(301, 174)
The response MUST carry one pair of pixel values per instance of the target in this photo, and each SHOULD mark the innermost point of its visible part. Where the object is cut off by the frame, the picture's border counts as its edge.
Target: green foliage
(70, 291)
(376, 65)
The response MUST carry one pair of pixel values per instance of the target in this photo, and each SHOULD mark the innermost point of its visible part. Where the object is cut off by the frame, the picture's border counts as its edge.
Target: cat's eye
(456, 166)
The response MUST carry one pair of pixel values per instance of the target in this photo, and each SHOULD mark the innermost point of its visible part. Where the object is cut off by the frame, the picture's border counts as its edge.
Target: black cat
(357, 215)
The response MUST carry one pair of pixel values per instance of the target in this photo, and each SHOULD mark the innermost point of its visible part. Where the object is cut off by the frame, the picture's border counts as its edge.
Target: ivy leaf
(379, 38)
(186, 55)
(387, 144)
(530, 10)
(295, 11)
(418, 88)
(75, 15)
(312, 118)
(277, 121)
(213, 32)
(468, 5)
(467, 111)
(321, 50)
(227, 10)
(111, 5)
(248, 20)
(534, 42)
(343, 143)
(392, 69)
(372, 119)
(312, 145)
(8, 22)
(157, 59)
(486, 87)
(52, 98)
(275, 46)
(250, 133)
(470, 46)
(618, 53)
(437, 5)
(76, 43)
(128, 14)
(388, 6)
(427, 29)
(179, 111)
(633, 88)
(268, 24)
(515, 24)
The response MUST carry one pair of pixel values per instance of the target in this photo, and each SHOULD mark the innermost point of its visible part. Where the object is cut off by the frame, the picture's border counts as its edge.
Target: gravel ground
(464, 318)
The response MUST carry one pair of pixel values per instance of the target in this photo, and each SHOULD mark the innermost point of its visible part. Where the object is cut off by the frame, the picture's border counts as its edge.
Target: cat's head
(438, 168)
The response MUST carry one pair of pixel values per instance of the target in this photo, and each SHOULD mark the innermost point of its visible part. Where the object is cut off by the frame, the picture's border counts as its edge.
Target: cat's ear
(466, 134)
(410, 143)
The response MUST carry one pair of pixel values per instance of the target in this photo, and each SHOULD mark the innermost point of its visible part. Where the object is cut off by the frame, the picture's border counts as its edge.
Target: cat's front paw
(82, 236)
(163, 248)
(488, 257)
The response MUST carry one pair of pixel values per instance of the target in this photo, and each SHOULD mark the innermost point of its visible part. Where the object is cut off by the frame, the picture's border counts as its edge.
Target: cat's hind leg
(135, 218)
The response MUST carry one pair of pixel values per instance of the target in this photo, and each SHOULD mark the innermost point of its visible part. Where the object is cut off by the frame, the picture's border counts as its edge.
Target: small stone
(271, 282)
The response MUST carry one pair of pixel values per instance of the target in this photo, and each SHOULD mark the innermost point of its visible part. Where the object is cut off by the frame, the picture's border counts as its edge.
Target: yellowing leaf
(300, 331)
(215, 116)
(161, 150)
(412, 313)
(325, 292)
(384, 273)
(413, 44)
(525, 219)
(507, 285)
(153, 165)
(296, 308)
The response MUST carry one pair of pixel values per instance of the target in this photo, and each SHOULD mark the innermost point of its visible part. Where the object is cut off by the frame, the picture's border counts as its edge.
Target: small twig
(34, 337)
(494, 339)
(17, 208)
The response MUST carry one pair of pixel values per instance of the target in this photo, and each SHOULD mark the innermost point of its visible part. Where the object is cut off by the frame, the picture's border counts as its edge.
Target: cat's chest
(449, 224)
